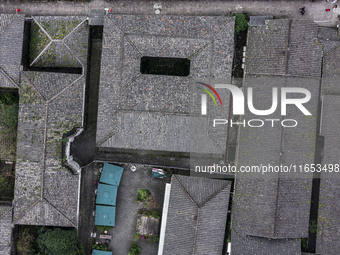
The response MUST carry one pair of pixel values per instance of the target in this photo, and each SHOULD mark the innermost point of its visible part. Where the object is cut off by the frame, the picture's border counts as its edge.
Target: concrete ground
(127, 208)
(314, 10)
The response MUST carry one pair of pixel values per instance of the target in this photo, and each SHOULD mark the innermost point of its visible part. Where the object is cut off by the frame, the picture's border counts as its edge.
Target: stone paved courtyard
(127, 208)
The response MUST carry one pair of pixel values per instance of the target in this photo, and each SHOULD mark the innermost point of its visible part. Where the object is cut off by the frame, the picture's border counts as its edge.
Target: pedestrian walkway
(313, 10)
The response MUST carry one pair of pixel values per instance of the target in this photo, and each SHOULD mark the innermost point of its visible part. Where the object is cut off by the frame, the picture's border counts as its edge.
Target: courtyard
(127, 207)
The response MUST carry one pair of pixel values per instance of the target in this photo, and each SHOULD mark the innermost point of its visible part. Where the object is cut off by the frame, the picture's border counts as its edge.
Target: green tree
(241, 23)
(135, 249)
(24, 242)
(58, 241)
(9, 110)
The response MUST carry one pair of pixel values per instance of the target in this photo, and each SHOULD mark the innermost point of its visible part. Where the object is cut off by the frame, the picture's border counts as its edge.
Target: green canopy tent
(111, 174)
(105, 215)
(106, 194)
(97, 252)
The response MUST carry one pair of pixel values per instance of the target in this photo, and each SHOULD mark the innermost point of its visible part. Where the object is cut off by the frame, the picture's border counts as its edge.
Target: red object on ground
(327, 10)
(111, 10)
(18, 10)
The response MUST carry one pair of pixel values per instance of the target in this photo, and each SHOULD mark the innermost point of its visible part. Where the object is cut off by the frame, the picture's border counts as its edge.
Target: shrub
(153, 239)
(137, 237)
(100, 247)
(143, 195)
(24, 243)
(9, 110)
(155, 214)
(103, 228)
(58, 241)
(241, 23)
(135, 249)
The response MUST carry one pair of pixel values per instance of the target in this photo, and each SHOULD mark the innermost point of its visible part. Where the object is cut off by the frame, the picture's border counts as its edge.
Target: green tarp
(106, 194)
(111, 174)
(105, 215)
(97, 252)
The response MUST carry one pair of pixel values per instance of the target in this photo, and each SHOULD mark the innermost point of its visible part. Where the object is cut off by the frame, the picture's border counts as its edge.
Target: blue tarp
(97, 252)
(106, 194)
(105, 215)
(111, 174)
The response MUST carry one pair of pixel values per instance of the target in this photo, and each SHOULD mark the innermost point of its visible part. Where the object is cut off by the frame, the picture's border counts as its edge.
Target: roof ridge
(6, 211)
(196, 231)
(26, 210)
(8, 77)
(74, 29)
(24, 73)
(59, 212)
(186, 192)
(66, 88)
(215, 194)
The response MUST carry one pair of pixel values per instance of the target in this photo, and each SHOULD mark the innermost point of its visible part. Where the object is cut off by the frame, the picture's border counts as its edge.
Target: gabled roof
(197, 206)
(11, 30)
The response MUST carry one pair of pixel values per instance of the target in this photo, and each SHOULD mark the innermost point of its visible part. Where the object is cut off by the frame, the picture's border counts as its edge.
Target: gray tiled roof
(267, 48)
(67, 38)
(259, 20)
(156, 112)
(251, 245)
(197, 216)
(305, 52)
(50, 104)
(45, 192)
(11, 30)
(284, 47)
(281, 201)
(328, 238)
(331, 72)
(5, 229)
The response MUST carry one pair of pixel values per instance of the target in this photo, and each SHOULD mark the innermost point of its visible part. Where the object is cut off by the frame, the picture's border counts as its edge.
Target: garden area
(148, 222)
(33, 240)
(9, 104)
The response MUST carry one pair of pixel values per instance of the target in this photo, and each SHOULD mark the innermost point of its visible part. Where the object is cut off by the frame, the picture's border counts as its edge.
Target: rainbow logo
(209, 93)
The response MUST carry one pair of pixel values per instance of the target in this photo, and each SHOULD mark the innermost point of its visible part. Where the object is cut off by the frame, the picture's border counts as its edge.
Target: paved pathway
(314, 10)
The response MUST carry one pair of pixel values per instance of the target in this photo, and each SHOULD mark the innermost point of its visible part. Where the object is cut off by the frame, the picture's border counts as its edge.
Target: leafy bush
(135, 249)
(143, 195)
(241, 23)
(58, 241)
(9, 110)
(103, 228)
(155, 214)
(100, 247)
(153, 239)
(24, 242)
(137, 237)
(304, 244)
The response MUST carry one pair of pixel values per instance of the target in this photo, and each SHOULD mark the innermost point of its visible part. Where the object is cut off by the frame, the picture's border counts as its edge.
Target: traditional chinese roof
(197, 208)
